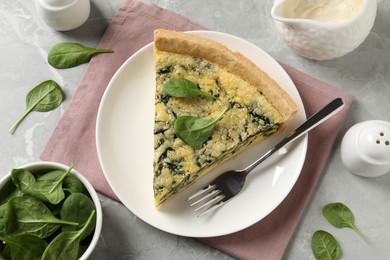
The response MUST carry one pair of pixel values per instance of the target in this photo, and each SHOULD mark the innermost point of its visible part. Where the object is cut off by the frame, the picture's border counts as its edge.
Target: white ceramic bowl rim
(57, 5)
(324, 25)
(87, 185)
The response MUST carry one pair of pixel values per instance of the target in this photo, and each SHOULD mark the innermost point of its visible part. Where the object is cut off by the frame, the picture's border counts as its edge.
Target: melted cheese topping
(250, 117)
(328, 11)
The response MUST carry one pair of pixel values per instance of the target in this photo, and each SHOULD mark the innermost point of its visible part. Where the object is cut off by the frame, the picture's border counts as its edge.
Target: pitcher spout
(277, 14)
(277, 11)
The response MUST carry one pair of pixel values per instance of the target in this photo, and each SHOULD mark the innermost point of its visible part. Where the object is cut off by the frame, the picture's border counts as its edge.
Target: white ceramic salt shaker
(365, 148)
(63, 15)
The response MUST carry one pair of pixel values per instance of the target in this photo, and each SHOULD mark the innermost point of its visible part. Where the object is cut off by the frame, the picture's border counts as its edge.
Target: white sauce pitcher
(320, 40)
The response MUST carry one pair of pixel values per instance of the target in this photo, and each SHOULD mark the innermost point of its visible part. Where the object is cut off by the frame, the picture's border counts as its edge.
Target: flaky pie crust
(233, 62)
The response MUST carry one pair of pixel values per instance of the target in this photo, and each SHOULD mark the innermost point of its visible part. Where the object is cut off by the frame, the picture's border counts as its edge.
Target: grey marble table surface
(365, 73)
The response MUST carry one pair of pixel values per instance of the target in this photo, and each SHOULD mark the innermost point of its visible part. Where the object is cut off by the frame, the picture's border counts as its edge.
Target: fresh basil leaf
(28, 215)
(77, 208)
(324, 246)
(42, 98)
(184, 88)
(340, 216)
(66, 245)
(194, 131)
(25, 247)
(69, 54)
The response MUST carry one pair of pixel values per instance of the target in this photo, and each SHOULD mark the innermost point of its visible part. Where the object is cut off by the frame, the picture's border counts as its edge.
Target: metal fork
(230, 183)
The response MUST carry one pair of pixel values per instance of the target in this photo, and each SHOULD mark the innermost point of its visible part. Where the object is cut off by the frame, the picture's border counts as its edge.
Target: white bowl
(37, 167)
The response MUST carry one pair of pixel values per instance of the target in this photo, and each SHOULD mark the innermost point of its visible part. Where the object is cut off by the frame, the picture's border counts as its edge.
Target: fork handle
(324, 114)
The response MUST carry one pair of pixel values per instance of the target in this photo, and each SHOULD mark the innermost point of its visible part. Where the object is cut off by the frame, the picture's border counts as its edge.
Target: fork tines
(207, 199)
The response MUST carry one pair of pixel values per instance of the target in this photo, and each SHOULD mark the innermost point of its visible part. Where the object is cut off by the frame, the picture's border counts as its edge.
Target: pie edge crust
(234, 62)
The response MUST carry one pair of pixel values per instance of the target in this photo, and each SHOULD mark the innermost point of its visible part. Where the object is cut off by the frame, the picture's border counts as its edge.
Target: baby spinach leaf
(69, 54)
(184, 88)
(22, 178)
(6, 253)
(324, 246)
(43, 98)
(77, 208)
(47, 187)
(194, 131)
(73, 185)
(52, 181)
(8, 191)
(31, 216)
(66, 245)
(25, 247)
(340, 216)
(5, 217)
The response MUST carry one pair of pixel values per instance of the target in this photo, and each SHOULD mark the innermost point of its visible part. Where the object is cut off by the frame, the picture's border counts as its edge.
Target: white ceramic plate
(125, 148)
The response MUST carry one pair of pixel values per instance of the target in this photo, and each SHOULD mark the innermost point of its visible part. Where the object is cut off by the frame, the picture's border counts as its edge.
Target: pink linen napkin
(73, 140)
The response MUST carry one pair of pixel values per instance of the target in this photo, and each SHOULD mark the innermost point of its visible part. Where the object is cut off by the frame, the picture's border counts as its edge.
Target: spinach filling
(256, 124)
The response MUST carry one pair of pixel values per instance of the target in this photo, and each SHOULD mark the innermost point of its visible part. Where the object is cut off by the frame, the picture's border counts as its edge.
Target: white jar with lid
(63, 15)
(365, 148)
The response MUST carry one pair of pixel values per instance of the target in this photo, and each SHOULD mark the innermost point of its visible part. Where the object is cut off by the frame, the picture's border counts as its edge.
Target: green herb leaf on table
(324, 246)
(25, 247)
(184, 88)
(43, 98)
(66, 245)
(194, 131)
(69, 54)
(340, 216)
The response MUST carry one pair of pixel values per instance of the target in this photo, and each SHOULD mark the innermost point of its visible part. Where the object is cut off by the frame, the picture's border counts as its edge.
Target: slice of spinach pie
(210, 104)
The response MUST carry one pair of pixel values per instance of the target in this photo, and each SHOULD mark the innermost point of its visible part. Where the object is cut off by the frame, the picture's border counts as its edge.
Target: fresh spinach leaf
(5, 218)
(8, 191)
(66, 245)
(340, 216)
(69, 54)
(43, 98)
(77, 208)
(52, 181)
(6, 253)
(26, 221)
(324, 246)
(194, 131)
(25, 247)
(73, 185)
(184, 88)
(29, 215)
(22, 178)
(47, 187)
